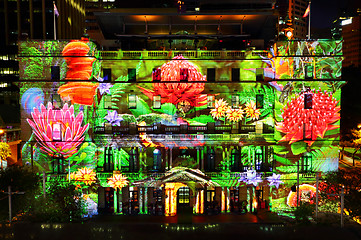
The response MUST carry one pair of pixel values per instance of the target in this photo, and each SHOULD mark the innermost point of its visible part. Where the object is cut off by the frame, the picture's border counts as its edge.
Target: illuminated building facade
(161, 132)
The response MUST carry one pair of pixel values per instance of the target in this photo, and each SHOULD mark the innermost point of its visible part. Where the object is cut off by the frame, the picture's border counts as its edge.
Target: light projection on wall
(117, 181)
(291, 119)
(84, 175)
(307, 123)
(307, 193)
(68, 131)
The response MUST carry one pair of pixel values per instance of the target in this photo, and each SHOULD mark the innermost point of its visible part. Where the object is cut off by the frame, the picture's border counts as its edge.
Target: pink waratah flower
(220, 109)
(308, 124)
(175, 92)
(58, 131)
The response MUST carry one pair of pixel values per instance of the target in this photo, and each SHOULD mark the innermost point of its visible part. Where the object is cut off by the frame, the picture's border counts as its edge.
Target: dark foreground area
(222, 227)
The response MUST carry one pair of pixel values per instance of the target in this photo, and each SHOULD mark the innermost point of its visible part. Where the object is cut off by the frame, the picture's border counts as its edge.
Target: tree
(5, 152)
(63, 203)
(20, 179)
(350, 180)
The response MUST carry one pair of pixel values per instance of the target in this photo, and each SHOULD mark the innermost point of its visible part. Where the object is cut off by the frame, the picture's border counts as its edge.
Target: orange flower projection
(78, 92)
(234, 115)
(252, 111)
(79, 68)
(117, 181)
(220, 109)
(187, 91)
(85, 175)
(307, 193)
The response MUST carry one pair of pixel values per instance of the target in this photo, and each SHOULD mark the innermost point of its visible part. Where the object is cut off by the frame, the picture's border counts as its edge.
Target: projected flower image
(308, 124)
(58, 131)
(117, 181)
(187, 91)
(220, 109)
(251, 110)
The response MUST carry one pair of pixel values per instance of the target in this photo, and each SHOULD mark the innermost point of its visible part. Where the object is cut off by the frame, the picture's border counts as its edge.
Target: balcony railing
(190, 54)
(181, 129)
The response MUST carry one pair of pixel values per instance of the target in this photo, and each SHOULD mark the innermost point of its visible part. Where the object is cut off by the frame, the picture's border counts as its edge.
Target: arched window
(157, 160)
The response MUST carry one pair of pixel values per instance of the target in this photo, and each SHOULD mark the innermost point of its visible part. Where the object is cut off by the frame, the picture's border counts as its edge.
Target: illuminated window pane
(57, 132)
(210, 101)
(107, 101)
(308, 101)
(156, 74)
(259, 74)
(211, 74)
(132, 75)
(157, 102)
(183, 74)
(132, 101)
(235, 101)
(235, 75)
(107, 74)
(259, 101)
(55, 73)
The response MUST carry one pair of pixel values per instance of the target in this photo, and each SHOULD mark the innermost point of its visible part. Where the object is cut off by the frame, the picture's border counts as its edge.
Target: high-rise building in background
(351, 34)
(291, 17)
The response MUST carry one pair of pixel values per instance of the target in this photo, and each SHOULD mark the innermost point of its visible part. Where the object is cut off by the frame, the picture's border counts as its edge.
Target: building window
(211, 159)
(308, 71)
(107, 75)
(211, 74)
(157, 102)
(307, 131)
(132, 101)
(133, 195)
(157, 195)
(234, 197)
(156, 74)
(235, 161)
(210, 195)
(107, 101)
(108, 160)
(58, 164)
(259, 101)
(258, 159)
(183, 195)
(183, 74)
(210, 101)
(132, 75)
(55, 73)
(133, 160)
(235, 101)
(306, 163)
(259, 74)
(157, 160)
(307, 100)
(235, 75)
(56, 101)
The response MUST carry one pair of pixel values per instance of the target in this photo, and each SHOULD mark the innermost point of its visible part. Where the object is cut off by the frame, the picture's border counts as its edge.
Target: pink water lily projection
(58, 131)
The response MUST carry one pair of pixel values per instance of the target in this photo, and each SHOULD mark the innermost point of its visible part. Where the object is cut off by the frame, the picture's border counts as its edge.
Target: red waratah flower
(183, 91)
(308, 124)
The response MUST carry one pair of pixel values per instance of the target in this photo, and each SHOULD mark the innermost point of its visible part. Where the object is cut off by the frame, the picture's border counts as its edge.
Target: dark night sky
(323, 12)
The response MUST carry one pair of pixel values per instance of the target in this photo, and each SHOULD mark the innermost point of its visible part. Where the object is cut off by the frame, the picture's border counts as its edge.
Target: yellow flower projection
(117, 181)
(220, 109)
(234, 115)
(252, 111)
(85, 175)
